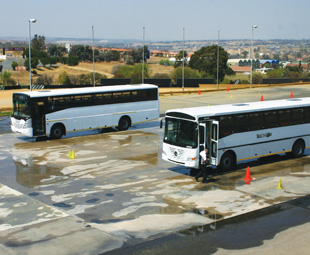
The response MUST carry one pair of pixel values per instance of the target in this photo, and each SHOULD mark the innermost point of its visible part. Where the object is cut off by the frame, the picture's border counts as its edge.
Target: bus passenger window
(256, 121)
(297, 116)
(284, 117)
(241, 123)
(307, 114)
(270, 119)
(226, 125)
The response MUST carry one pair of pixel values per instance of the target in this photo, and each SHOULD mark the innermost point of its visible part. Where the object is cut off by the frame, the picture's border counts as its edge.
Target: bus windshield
(181, 133)
(21, 109)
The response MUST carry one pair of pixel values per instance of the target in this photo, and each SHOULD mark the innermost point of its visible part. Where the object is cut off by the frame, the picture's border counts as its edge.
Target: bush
(44, 80)
(132, 72)
(165, 62)
(14, 64)
(257, 78)
(63, 79)
(160, 76)
(189, 73)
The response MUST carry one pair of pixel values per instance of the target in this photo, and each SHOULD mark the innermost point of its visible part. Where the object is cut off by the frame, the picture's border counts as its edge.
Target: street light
(142, 80)
(30, 21)
(94, 74)
(253, 27)
(183, 59)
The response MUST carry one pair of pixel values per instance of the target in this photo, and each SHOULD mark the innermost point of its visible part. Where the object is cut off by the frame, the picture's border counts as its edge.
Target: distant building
(272, 62)
(13, 52)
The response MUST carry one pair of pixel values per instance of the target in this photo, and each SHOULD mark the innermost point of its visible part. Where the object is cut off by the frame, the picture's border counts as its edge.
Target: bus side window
(297, 116)
(226, 125)
(241, 123)
(270, 119)
(284, 117)
(307, 114)
(256, 121)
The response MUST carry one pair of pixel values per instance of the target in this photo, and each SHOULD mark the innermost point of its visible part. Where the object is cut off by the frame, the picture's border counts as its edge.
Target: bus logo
(263, 135)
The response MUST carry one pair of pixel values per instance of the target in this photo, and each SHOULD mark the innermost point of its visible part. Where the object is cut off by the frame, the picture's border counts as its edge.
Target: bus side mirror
(161, 123)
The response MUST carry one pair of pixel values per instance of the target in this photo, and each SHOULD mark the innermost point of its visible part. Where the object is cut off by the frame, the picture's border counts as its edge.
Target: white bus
(236, 132)
(56, 112)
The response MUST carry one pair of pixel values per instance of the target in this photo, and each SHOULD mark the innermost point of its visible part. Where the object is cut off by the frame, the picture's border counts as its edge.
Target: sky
(163, 20)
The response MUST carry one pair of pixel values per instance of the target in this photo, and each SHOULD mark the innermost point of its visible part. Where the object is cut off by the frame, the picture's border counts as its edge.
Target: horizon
(164, 20)
(49, 39)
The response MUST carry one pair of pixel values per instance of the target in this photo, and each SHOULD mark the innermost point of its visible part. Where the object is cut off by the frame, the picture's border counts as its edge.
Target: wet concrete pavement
(118, 192)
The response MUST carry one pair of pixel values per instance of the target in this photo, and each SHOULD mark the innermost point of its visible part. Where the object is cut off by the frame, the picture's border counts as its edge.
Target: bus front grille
(176, 154)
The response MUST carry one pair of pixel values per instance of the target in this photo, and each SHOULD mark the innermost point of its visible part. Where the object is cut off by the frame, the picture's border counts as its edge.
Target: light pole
(142, 81)
(183, 60)
(253, 27)
(218, 59)
(30, 21)
(93, 56)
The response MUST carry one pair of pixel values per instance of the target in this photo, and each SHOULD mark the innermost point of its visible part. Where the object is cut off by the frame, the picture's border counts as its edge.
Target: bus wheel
(123, 124)
(227, 161)
(298, 149)
(57, 132)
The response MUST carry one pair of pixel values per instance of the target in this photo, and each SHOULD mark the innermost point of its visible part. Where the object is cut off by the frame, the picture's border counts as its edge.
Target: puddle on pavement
(48, 162)
(118, 182)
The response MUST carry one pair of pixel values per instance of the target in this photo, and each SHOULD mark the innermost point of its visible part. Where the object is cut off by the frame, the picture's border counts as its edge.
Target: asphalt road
(118, 197)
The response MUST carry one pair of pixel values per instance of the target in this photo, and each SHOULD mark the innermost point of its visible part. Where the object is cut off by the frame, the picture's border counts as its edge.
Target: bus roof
(227, 109)
(85, 90)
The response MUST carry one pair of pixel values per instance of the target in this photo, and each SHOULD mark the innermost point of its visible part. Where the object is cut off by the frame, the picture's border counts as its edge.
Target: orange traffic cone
(291, 94)
(199, 92)
(227, 89)
(247, 177)
(262, 98)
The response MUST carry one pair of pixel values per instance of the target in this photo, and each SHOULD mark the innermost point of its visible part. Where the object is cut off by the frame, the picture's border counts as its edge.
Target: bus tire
(124, 123)
(57, 131)
(298, 149)
(228, 161)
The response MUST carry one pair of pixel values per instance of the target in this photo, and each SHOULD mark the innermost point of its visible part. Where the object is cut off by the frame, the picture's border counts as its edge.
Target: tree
(205, 61)
(72, 61)
(45, 61)
(111, 55)
(83, 53)
(34, 63)
(14, 64)
(179, 59)
(5, 76)
(38, 42)
(136, 54)
(56, 51)
(63, 79)
(229, 71)
(245, 53)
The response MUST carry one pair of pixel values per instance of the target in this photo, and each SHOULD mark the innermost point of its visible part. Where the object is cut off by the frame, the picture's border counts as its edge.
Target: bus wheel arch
(124, 123)
(228, 160)
(57, 131)
(298, 148)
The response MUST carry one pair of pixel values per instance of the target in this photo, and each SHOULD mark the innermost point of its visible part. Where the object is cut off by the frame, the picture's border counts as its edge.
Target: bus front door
(209, 131)
(38, 120)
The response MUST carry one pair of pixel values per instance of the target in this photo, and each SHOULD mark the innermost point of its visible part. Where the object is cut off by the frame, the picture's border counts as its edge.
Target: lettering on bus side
(263, 135)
